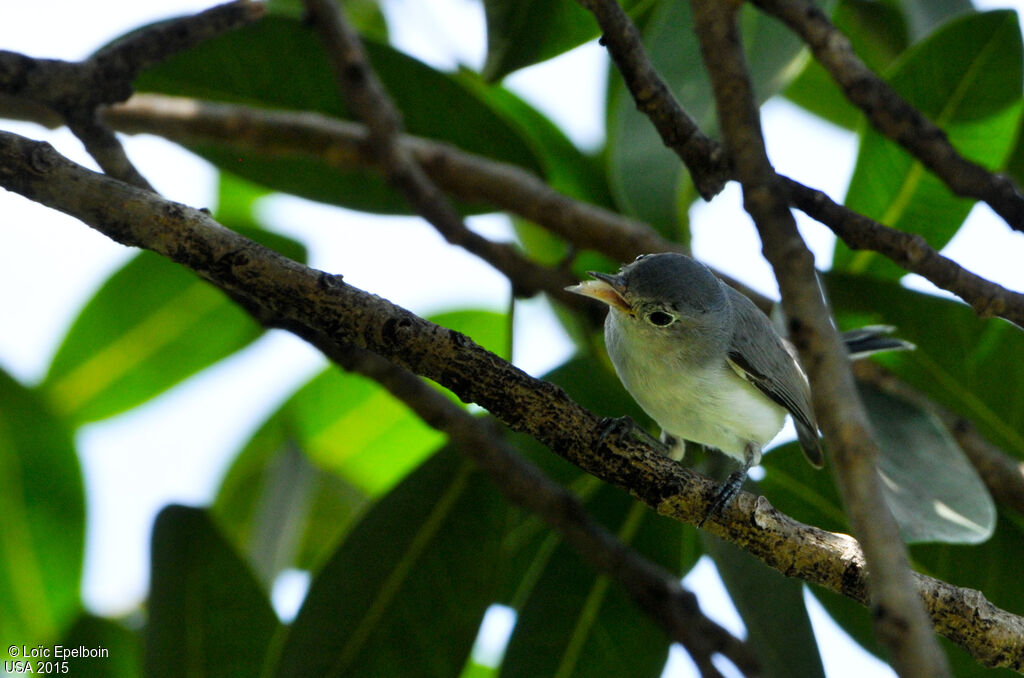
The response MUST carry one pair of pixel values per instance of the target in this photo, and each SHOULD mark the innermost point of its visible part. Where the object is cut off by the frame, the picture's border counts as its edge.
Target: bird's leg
(732, 484)
(626, 426)
(675, 447)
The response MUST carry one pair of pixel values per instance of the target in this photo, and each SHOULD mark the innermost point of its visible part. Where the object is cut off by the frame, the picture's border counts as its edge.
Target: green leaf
(525, 32)
(967, 79)
(773, 611)
(565, 168)
(207, 614)
(577, 623)
(151, 325)
(923, 16)
(123, 652)
(236, 200)
(647, 179)
(42, 529)
(405, 592)
(280, 63)
(280, 509)
(350, 426)
(969, 365)
(931, 488)
(365, 15)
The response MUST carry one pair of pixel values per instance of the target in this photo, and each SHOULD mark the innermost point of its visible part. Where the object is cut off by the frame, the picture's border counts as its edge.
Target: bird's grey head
(663, 297)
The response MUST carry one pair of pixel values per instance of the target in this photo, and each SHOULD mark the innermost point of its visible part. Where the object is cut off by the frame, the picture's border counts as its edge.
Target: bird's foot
(732, 484)
(729, 489)
(625, 426)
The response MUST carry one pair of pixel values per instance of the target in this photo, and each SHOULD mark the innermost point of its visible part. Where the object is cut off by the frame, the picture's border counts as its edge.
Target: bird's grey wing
(757, 354)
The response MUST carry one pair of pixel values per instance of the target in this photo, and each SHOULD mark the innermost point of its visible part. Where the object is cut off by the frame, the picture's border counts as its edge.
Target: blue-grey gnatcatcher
(704, 362)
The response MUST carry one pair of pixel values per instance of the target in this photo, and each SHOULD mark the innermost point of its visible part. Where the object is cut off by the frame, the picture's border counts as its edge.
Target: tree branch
(892, 115)
(75, 90)
(899, 616)
(323, 309)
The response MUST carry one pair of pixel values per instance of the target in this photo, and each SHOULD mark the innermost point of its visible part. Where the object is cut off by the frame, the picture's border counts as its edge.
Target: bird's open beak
(606, 289)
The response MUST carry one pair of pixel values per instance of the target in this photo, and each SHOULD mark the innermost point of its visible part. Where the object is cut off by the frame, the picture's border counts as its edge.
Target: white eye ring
(660, 318)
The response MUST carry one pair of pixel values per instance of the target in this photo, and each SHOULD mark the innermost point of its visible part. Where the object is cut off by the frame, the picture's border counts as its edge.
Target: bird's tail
(869, 339)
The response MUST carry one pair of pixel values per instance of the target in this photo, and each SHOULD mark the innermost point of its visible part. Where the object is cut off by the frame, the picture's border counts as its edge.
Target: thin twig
(701, 154)
(911, 252)
(900, 621)
(369, 101)
(892, 115)
(321, 308)
(653, 588)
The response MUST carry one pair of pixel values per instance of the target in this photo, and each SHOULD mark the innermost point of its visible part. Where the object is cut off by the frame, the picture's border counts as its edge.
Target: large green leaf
(42, 519)
(524, 32)
(929, 485)
(350, 426)
(967, 79)
(932, 489)
(279, 508)
(280, 63)
(405, 592)
(575, 622)
(151, 325)
(647, 179)
(969, 365)
(924, 16)
(315, 463)
(207, 613)
(773, 611)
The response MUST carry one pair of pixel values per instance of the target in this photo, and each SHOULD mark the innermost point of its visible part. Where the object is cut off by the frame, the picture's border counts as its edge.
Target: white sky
(173, 450)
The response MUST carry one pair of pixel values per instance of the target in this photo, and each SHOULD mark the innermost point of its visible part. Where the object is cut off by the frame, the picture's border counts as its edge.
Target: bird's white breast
(706, 403)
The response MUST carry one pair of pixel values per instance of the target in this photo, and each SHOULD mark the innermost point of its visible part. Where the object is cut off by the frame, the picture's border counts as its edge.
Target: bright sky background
(175, 448)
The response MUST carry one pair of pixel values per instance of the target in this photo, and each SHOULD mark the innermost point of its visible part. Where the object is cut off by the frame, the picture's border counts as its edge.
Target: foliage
(407, 542)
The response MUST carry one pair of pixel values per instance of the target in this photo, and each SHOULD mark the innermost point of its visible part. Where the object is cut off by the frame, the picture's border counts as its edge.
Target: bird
(705, 363)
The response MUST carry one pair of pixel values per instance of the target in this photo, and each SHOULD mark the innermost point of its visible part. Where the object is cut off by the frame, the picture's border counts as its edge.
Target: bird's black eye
(660, 318)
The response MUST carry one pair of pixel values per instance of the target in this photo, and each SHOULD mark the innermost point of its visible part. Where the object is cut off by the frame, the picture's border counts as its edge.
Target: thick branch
(323, 309)
(892, 115)
(900, 621)
(369, 101)
(653, 588)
